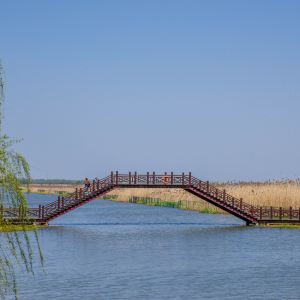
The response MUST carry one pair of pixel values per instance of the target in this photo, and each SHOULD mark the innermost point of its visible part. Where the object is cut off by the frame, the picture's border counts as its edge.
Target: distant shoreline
(51, 189)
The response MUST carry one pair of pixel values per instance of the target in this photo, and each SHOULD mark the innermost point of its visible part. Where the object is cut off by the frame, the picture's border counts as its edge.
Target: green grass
(283, 226)
(208, 210)
(109, 197)
(14, 227)
(178, 204)
(159, 203)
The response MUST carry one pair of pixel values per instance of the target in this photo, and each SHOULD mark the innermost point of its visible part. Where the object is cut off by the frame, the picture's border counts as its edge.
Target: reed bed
(278, 194)
(165, 195)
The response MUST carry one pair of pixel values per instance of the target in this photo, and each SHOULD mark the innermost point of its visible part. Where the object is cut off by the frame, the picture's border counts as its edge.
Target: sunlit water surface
(110, 250)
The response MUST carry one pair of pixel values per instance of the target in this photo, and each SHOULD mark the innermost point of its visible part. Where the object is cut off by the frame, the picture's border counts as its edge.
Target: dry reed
(284, 194)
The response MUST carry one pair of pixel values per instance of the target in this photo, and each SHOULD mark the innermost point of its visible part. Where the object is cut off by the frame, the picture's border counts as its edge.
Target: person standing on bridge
(87, 184)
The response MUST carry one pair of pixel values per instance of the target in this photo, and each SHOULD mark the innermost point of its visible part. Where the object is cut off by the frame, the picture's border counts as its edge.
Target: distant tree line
(52, 181)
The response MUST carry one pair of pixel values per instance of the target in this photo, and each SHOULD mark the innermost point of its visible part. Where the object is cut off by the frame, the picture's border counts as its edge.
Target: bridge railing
(20, 213)
(258, 212)
(186, 180)
(226, 199)
(71, 199)
(279, 213)
(151, 179)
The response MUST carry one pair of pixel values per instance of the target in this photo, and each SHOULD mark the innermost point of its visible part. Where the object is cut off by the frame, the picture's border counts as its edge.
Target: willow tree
(15, 247)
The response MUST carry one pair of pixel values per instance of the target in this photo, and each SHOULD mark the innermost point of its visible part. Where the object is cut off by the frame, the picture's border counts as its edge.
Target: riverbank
(181, 204)
(13, 227)
(281, 226)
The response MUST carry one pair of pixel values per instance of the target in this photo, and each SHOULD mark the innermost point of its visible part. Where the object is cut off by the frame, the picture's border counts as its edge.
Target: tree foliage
(15, 247)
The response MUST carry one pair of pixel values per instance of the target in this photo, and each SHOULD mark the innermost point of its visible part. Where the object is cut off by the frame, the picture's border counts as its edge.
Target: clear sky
(211, 87)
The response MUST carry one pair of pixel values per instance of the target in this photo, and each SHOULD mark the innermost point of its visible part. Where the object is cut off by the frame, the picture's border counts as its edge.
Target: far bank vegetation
(284, 194)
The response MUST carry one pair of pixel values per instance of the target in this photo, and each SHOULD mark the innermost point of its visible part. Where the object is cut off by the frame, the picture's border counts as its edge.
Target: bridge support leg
(251, 223)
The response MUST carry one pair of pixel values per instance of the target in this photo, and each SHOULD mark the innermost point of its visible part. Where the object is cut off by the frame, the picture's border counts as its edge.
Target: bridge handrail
(224, 197)
(73, 198)
(149, 179)
(259, 212)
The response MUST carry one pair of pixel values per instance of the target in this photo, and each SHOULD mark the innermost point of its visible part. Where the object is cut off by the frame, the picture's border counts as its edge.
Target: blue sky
(210, 87)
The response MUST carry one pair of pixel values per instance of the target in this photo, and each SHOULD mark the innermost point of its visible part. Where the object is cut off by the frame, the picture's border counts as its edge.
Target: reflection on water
(109, 250)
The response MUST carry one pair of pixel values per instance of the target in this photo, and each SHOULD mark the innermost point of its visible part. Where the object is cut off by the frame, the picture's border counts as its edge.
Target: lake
(111, 250)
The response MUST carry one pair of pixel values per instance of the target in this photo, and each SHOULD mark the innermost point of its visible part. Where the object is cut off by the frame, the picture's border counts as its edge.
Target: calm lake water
(110, 250)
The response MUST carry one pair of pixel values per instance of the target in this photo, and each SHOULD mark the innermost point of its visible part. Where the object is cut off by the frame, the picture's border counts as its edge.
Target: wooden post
(182, 179)
(129, 178)
(241, 203)
(135, 178)
(20, 212)
(190, 178)
(252, 210)
(172, 179)
(58, 203)
(271, 212)
(207, 186)
(260, 213)
(112, 177)
(147, 178)
(117, 178)
(153, 178)
(93, 189)
(224, 194)
(217, 193)
(40, 211)
(80, 194)
(43, 212)
(76, 193)
(98, 184)
(280, 213)
(291, 213)
(232, 202)
(62, 202)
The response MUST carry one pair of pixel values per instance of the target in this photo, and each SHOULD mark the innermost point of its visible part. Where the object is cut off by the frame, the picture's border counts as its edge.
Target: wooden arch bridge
(203, 189)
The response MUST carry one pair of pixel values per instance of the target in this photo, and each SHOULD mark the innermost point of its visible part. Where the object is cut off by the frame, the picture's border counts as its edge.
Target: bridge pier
(41, 224)
(250, 223)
